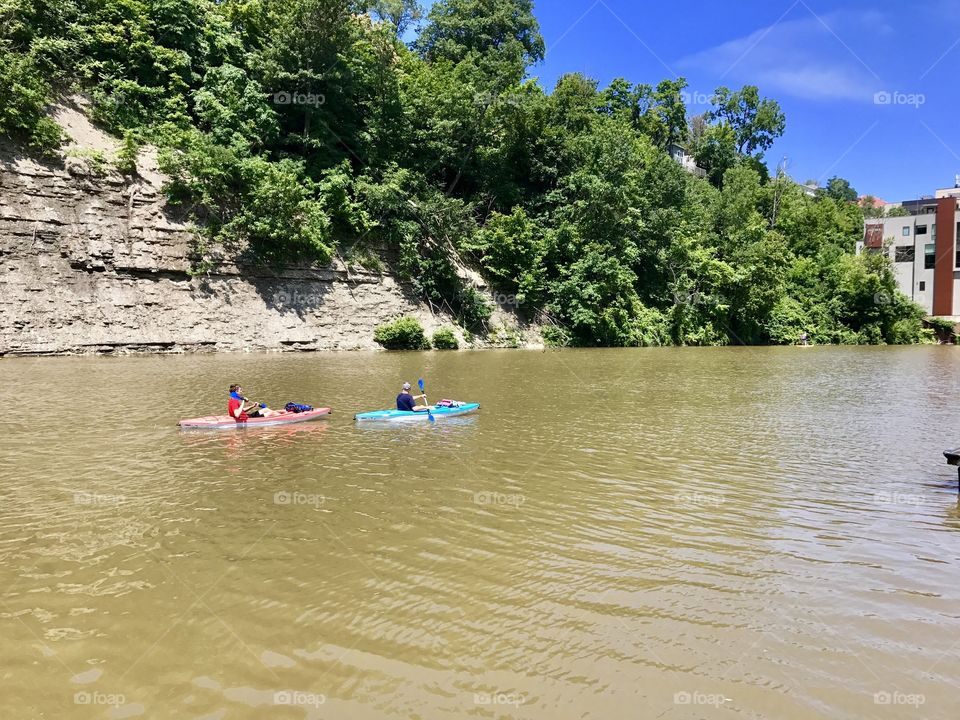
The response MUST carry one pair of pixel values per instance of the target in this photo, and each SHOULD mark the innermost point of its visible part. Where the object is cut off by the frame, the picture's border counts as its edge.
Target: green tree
(756, 122)
(662, 112)
(401, 14)
(716, 151)
(871, 207)
(513, 248)
(840, 190)
(501, 37)
(233, 108)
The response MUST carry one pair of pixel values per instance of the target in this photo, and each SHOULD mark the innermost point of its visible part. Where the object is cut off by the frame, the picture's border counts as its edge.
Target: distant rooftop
(920, 205)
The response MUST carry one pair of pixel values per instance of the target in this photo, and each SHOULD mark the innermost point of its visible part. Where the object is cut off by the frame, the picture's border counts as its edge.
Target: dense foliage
(444, 339)
(305, 128)
(406, 333)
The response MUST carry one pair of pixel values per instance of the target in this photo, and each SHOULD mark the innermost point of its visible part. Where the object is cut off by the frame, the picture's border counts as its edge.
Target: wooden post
(953, 458)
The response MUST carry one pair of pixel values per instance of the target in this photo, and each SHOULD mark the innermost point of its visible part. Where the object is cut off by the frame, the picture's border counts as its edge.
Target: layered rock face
(94, 264)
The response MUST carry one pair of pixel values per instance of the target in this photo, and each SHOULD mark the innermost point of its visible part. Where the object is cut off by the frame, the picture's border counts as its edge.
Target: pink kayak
(225, 422)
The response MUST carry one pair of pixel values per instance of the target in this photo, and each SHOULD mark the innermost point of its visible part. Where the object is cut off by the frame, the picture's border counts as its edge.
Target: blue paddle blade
(430, 416)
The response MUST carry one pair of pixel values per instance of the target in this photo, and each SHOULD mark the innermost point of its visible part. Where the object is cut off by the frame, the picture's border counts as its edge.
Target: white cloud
(809, 57)
(817, 83)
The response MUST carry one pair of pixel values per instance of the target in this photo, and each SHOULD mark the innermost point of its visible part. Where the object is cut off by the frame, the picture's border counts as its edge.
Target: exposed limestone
(99, 264)
(94, 262)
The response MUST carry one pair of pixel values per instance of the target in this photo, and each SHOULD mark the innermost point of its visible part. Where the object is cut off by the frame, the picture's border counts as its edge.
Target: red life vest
(233, 406)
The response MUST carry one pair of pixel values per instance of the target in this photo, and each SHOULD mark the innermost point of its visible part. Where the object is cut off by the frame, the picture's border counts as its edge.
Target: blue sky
(871, 90)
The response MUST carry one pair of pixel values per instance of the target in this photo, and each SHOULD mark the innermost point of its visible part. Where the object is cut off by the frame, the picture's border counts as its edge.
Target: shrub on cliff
(555, 336)
(268, 209)
(126, 160)
(403, 334)
(444, 339)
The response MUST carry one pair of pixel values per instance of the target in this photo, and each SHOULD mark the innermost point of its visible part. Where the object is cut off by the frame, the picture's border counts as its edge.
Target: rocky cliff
(96, 262)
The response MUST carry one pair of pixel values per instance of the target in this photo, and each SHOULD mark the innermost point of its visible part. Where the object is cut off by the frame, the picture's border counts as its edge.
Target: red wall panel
(943, 269)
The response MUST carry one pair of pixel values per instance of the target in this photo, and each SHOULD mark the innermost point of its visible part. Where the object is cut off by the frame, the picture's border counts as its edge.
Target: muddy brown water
(676, 533)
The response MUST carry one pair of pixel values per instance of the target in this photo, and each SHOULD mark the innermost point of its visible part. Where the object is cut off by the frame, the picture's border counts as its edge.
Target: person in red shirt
(241, 409)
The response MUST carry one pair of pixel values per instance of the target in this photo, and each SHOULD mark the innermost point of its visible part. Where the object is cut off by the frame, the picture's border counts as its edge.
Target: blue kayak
(403, 415)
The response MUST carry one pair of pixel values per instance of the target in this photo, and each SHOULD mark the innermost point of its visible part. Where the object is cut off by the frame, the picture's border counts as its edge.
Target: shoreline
(126, 352)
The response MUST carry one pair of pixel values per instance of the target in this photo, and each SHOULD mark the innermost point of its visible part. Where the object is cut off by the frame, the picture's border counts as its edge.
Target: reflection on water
(635, 533)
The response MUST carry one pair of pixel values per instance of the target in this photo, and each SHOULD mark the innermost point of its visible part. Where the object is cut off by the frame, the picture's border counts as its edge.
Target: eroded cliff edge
(92, 261)
(99, 264)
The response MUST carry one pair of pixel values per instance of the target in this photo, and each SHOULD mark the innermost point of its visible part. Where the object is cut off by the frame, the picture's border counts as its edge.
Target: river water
(676, 533)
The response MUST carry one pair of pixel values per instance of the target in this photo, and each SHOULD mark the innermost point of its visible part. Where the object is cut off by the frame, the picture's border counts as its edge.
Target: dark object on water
(953, 458)
(297, 407)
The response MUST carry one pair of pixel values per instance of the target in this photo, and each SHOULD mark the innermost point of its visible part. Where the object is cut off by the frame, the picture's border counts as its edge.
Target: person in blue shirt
(407, 402)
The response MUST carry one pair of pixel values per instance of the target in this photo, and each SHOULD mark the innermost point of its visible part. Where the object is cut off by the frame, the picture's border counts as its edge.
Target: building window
(957, 261)
(929, 256)
(906, 230)
(923, 286)
(904, 253)
(921, 229)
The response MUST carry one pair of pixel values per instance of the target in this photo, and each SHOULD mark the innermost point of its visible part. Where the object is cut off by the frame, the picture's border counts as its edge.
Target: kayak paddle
(429, 414)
